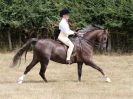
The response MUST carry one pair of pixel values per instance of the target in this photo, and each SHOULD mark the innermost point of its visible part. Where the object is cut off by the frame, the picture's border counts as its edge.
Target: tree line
(23, 19)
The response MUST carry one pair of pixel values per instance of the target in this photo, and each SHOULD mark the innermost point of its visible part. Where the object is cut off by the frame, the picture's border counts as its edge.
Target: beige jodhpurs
(67, 42)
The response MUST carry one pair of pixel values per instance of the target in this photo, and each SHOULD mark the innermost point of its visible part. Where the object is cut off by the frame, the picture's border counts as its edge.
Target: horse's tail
(23, 49)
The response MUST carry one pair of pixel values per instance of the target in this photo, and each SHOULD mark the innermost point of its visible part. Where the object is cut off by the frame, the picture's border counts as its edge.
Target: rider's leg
(70, 49)
(67, 42)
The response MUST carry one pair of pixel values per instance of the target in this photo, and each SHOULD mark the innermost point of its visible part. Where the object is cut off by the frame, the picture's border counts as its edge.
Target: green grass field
(62, 80)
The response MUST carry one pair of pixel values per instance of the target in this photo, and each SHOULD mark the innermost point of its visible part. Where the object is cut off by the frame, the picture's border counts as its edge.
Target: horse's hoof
(46, 81)
(107, 79)
(20, 82)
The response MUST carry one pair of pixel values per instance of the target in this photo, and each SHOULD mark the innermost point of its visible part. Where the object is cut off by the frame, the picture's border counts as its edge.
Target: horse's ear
(106, 30)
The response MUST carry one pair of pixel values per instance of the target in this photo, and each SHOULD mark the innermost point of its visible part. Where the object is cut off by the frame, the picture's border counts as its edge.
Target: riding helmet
(64, 12)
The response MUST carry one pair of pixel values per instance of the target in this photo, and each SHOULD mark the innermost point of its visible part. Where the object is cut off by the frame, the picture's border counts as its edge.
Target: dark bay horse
(48, 49)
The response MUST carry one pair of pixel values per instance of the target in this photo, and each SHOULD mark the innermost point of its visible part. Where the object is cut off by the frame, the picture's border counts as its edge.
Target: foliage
(40, 17)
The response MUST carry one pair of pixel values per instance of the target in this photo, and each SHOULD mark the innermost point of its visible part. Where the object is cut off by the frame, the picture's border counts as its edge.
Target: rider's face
(66, 16)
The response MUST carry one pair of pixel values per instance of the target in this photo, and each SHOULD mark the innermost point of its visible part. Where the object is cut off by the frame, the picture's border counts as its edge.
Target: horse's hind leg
(93, 65)
(44, 64)
(28, 68)
(79, 67)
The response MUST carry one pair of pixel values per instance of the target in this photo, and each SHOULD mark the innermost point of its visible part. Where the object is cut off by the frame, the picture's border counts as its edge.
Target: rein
(82, 38)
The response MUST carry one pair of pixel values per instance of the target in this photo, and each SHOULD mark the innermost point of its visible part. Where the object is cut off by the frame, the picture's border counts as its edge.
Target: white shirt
(64, 27)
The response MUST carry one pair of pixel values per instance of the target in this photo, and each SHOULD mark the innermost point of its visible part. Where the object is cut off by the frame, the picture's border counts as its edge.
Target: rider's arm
(64, 27)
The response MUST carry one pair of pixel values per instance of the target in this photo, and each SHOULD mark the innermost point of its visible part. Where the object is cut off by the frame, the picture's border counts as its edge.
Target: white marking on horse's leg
(20, 80)
(107, 79)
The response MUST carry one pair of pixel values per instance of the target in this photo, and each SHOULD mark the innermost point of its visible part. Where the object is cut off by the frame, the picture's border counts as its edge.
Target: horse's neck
(91, 36)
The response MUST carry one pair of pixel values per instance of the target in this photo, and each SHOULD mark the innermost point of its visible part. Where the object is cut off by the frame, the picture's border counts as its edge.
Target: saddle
(66, 47)
(58, 41)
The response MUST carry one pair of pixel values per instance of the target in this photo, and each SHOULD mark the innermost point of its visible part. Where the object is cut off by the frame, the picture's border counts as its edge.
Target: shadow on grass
(41, 81)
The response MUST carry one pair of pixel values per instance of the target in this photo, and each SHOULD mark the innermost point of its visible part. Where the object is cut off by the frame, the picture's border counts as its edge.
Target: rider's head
(65, 13)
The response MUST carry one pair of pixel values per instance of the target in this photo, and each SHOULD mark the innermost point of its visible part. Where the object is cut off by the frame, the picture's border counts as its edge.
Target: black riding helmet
(64, 12)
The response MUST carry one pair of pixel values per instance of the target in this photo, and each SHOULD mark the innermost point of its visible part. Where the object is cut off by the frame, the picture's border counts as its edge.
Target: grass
(63, 80)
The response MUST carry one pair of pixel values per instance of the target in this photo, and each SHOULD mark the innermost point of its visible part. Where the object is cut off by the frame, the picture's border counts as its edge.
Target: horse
(45, 50)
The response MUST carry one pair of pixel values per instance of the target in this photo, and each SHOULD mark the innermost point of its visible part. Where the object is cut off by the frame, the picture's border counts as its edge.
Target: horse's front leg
(79, 68)
(93, 65)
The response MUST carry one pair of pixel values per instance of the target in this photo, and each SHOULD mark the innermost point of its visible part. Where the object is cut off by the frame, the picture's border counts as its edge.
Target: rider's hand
(75, 33)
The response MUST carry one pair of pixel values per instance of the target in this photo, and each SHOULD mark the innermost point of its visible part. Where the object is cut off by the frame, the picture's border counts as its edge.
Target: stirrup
(68, 62)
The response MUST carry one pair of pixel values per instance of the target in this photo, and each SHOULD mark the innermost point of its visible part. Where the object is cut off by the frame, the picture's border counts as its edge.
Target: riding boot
(68, 62)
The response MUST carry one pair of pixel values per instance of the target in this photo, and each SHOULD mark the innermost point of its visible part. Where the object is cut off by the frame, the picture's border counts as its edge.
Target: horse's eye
(104, 39)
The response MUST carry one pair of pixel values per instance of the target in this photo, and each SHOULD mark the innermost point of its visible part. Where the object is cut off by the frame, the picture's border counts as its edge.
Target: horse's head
(95, 35)
(102, 38)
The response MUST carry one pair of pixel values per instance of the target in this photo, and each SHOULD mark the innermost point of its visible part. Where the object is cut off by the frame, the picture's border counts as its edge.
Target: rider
(65, 31)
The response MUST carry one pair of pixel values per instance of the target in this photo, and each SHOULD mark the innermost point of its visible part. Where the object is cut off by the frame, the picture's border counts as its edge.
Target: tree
(38, 18)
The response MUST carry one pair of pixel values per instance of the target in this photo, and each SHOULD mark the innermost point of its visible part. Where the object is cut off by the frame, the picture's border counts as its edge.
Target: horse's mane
(89, 28)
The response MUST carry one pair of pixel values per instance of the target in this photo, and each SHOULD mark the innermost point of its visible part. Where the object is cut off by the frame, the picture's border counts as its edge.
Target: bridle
(90, 42)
